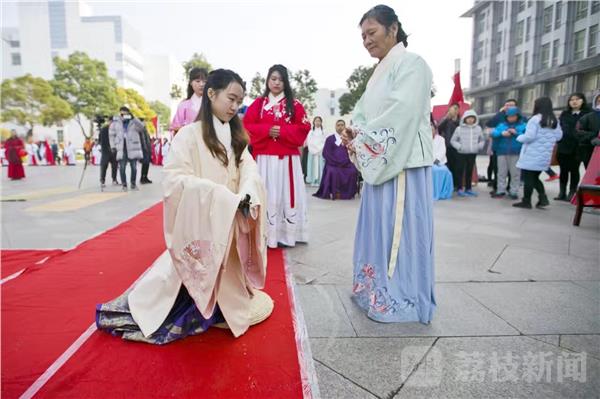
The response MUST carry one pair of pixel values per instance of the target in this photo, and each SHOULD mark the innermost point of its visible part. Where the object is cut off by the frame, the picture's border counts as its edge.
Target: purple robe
(340, 177)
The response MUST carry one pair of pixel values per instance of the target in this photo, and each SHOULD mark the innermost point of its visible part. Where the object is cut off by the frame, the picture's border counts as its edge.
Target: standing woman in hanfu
(215, 260)
(392, 147)
(188, 109)
(278, 127)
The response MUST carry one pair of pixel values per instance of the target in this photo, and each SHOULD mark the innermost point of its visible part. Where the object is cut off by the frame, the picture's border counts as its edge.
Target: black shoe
(498, 195)
(134, 187)
(523, 204)
(143, 181)
(561, 197)
(542, 203)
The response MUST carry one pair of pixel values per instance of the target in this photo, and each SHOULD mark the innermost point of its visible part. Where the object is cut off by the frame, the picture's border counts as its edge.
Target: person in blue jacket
(507, 149)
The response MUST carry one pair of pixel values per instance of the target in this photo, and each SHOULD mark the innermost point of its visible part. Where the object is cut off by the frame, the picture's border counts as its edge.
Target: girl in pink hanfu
(188, 109)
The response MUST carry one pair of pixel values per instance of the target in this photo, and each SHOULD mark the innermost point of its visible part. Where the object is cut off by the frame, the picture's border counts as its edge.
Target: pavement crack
(493, 312)
(497, 259)
(346, 311)
(392, 394)
(346, 378)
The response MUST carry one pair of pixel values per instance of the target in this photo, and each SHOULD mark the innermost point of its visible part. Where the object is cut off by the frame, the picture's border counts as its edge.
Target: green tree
(138, 106)
(356, 83)
(304, 87)
(257, 86)
(198, 60)
(30, 101)
(163, 112)
(176, 92)
(85, 84)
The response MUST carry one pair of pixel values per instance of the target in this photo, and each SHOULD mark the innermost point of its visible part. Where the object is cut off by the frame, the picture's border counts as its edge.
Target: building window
(555, 50)
(595, 6)
(119, 56)
(520, 32)
(498, 72)
(579, 47)
(14, 43)
(499, 43)
(545, 56)
(16, 58)
(556, 90)
(480, 24)
(488, 105)
(592, 40)
(521, 6)
(548, 19)
(518, 65)
(527, 100)
(528, 29)
(500, 10)
(58, 25)
(525, 62)
(581, 8)
(557, 14)
(479, 51)
(591, 81)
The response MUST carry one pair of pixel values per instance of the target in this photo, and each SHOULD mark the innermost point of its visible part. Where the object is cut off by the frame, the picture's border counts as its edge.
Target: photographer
(125, 134)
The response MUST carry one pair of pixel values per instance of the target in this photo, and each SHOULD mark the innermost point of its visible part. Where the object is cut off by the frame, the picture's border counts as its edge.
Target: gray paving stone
(323, 312)
(528, 264)
(540, 308)
(457, 314)
(334, 386)
(473, 368)
(377, 364)
(582, 343)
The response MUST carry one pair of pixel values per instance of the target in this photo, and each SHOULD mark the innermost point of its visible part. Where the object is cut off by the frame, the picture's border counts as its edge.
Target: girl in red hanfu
(278, 127)
(48, 156)
(14, 151)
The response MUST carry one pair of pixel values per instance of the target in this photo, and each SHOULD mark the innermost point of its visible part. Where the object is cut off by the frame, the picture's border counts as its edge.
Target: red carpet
(14, 260)
(44, 312)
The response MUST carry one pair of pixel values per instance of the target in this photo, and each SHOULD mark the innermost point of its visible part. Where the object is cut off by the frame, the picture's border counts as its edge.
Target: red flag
(457, 93)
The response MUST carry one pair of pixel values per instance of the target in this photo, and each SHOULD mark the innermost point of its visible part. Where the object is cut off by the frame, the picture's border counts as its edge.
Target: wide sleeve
(251, 232)
(530, 131)
(258, 130)
(198, 221)
(179, 118)
(386, 140)
(294, 133)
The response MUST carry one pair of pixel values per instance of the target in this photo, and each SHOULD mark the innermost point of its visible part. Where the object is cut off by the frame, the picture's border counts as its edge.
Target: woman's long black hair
(387, 17)
(314, 124)
(287, 89)
(543, 106)
(195, 73)
(218, 80)
(584, 104)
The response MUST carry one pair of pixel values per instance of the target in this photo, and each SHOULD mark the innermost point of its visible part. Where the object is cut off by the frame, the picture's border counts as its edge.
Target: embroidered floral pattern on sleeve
(376, 147)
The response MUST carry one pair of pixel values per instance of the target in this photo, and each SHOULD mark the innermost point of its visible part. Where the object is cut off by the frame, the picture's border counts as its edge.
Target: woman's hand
(274, 132)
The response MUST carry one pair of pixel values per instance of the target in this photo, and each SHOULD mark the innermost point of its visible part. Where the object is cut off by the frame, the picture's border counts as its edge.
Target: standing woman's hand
(274, 132)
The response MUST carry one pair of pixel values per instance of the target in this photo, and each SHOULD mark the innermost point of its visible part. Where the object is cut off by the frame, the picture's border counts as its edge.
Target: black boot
(523, 204)
(543, 202)
(561, 195)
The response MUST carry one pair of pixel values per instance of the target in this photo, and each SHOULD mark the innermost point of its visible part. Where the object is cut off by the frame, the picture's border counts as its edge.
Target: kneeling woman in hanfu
(392, 147)
(214, 230)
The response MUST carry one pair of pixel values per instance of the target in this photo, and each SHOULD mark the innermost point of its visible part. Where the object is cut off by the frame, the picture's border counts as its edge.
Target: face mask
(126, 117)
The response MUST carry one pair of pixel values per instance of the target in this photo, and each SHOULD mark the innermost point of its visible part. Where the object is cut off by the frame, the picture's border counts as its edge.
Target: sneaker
(522, 204)
(561, 197)
(471, 193)
(498, 195)
(490, 183)
(513, 197)
(115, 183)
(461, 193)
(134, 187)
(124, 187)
(143, 181)
(542, 203)
(552, 178)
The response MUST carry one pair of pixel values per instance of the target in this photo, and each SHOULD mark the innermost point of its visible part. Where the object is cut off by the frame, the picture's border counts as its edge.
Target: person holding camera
(125, 134)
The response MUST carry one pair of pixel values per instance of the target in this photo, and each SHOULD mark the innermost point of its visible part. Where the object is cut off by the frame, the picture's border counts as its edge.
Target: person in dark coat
(147, 155)
(587, 131)
(568, 158)
(446, 129)
(107, 155)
